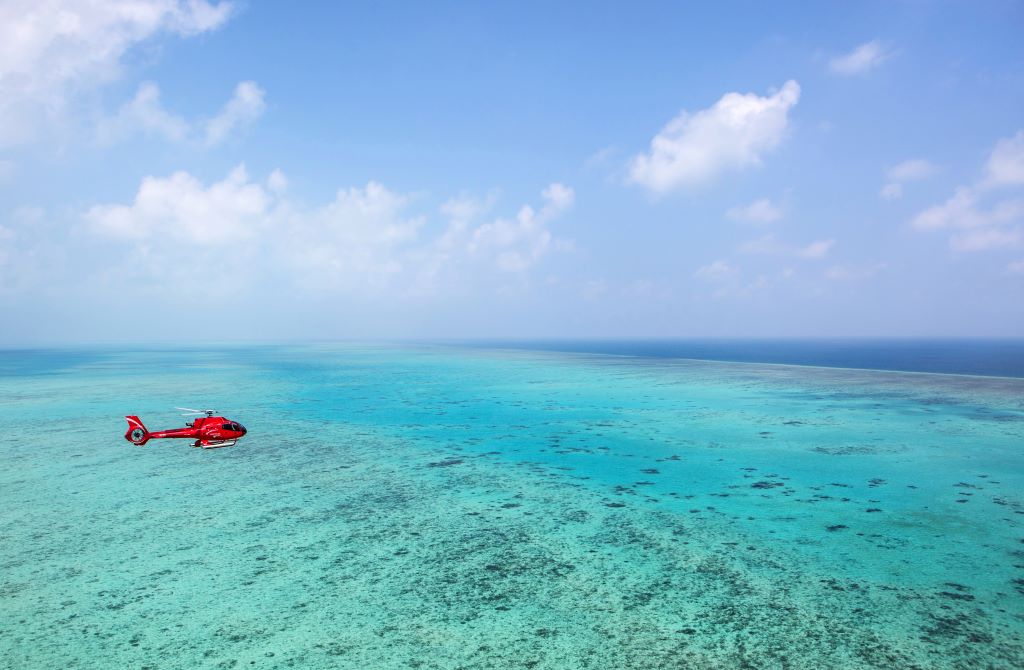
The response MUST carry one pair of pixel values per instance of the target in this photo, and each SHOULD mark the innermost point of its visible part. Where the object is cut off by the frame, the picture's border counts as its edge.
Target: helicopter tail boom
(137, 433)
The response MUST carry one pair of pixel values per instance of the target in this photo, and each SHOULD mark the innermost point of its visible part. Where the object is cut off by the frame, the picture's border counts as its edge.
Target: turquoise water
(453, 508)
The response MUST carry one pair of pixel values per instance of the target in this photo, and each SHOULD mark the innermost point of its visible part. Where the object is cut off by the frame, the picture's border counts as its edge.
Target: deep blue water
(988, 357)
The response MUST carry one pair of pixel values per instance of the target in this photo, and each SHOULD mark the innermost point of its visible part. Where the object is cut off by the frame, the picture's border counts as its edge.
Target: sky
(194, 171)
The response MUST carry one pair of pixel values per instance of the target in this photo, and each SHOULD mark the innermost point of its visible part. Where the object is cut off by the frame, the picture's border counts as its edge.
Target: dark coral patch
(765, 485)
(447, 463)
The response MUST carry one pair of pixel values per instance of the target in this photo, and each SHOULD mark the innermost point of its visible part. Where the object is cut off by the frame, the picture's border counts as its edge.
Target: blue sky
(193, 171)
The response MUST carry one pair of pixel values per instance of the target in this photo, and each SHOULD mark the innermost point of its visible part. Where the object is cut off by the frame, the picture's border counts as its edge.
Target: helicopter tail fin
(137, 433)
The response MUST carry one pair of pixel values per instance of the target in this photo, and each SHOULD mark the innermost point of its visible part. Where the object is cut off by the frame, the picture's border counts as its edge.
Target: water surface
(990, 357)
(397, 507)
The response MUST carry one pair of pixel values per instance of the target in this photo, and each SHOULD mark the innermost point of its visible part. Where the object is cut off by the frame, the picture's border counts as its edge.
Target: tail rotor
(137, 433)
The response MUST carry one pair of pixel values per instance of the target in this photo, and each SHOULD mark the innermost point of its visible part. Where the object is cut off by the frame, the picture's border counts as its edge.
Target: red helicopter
(208, 431)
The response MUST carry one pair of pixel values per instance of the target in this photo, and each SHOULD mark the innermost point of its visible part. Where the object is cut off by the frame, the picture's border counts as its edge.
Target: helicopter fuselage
(207, 431)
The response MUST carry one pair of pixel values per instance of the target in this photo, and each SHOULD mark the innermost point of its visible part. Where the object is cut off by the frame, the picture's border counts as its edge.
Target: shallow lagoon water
(451, 508)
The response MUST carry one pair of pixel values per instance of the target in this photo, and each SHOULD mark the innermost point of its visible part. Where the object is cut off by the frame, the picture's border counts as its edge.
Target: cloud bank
(53, 52)
(366, 238)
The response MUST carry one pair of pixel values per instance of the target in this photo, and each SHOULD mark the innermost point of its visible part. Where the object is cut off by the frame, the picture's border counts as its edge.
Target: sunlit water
(451, 508)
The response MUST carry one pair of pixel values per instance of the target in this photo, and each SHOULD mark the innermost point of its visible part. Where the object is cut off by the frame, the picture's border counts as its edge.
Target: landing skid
(214, 445)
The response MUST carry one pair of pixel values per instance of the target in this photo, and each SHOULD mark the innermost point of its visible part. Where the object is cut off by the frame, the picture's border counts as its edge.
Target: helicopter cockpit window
(227, 426)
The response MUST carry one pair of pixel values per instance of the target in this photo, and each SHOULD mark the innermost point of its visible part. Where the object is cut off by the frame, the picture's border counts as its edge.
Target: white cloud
(892, 191)
(1006, 163)
(465, 207)
(51, 52)
(145, 114)
(726, 280)
(734, 133)
(373, 214)
(558, 198)
(356, 240)
(865, 57)
(277, 182)
(244, 107)
(962, 211)
(980, 220)
(986, 239)
(759, 211)
(600, 158)
(519, 244)
(365, 239)
(460, 211)
(718, 271)
(911, 170)
(816, 250)
(180, 208)
(511, 246)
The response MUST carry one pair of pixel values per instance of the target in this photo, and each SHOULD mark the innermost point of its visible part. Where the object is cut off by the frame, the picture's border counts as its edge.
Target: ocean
(504, 506)
(991, 357)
